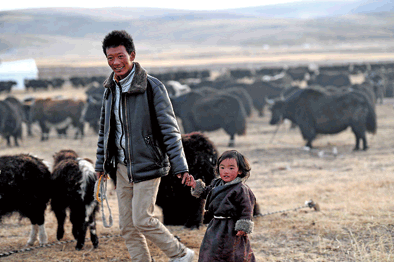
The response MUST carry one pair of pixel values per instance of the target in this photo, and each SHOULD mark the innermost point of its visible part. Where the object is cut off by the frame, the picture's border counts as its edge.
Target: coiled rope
(100, 191)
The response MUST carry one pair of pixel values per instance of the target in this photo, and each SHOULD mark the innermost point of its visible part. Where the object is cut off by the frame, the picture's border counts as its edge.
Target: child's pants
(136, 204)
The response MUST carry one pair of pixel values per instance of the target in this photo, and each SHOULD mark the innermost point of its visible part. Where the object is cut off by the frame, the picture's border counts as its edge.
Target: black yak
(6, 86)
(201, 156)
(316, 112)
(259, 91)
(73, 181)
(239, 92)
(211, 112)
(91, 112)
(57, 113)
(10, 121)
(24, 189)
(330, 79)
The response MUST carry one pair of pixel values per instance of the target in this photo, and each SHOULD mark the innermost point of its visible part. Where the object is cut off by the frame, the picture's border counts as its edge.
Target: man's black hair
(117, 38)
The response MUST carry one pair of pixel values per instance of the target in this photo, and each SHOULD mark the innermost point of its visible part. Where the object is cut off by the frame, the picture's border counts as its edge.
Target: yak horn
(269, 101)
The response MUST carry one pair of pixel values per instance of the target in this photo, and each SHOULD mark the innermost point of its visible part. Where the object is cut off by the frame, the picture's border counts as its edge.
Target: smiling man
(134, 154)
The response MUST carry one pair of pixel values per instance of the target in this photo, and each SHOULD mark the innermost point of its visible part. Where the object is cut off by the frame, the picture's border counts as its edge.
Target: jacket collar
(139, 83)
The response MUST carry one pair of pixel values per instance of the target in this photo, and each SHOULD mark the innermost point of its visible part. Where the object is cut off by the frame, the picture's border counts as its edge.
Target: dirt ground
(353, 189)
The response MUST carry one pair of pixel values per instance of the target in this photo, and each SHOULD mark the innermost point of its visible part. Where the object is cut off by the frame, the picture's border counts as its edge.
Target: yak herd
(204, 103)
(329, 103)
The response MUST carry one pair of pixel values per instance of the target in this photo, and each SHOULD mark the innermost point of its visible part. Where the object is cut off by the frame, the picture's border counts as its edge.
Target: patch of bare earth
(353, 189)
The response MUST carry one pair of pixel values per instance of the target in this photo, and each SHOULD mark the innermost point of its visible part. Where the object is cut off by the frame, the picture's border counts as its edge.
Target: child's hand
(241, 234)
(193, 183)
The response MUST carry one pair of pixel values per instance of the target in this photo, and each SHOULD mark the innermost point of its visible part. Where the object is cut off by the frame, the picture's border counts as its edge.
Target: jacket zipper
(121, 123)
(128, 142)
(109, 132)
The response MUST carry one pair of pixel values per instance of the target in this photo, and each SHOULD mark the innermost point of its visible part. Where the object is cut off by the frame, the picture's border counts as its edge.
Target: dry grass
(353, 189)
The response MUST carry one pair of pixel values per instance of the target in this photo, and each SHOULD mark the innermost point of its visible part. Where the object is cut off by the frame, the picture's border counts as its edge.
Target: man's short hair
(117, 38)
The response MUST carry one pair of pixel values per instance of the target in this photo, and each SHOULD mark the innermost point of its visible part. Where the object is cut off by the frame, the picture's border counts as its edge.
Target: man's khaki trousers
(136, 205)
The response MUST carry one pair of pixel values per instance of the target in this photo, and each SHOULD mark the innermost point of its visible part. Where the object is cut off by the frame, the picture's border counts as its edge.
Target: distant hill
(76, 34)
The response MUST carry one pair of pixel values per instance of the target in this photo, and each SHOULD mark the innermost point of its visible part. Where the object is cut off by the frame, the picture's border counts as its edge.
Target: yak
(10, 121)
(24, 189)
(330, 79)
(58, 113)
(73, 180)
(6, 86)
(259, 91)
(316, 112)
(91, 112)
(211, 112)
(201, 155)
(239, 92)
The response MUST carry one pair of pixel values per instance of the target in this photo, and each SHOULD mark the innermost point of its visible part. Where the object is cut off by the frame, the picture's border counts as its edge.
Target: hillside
(356, 29)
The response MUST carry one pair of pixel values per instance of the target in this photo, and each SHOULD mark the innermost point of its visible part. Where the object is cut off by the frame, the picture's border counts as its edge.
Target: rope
(6, 254)
(309, 204)
(276, 131)
(101, 194)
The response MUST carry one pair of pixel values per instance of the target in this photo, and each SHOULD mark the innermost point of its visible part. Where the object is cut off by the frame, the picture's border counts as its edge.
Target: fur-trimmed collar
(235, 181)
(139, 83)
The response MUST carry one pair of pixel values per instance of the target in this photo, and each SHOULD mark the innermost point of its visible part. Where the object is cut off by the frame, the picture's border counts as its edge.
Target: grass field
(353, 189)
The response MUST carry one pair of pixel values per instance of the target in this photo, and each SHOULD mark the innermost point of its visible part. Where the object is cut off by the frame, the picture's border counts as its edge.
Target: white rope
(101, 186)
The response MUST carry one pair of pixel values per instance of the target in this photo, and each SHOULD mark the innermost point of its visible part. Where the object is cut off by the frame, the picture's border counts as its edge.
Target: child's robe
(231, 206)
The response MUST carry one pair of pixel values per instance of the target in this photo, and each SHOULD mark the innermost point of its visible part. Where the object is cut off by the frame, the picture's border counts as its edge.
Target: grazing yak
(6, 86)
(316, 112)
(201, 156)
(73, 181)
(241, 93)
(10, 121)
(92, 111)
(24, 189)
(259, 91)
(58, 113)
(330, 79)
(210, 112)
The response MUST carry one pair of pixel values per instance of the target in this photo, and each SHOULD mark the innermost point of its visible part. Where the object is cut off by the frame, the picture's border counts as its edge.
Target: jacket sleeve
(201, 190)
(169, 127)
(246, 201)
(100, 143)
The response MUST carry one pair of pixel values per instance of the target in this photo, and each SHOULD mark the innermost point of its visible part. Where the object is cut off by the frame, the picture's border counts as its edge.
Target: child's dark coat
(231, 205)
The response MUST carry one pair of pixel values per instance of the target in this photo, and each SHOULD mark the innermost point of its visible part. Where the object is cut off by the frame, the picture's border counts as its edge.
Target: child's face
(228, 170)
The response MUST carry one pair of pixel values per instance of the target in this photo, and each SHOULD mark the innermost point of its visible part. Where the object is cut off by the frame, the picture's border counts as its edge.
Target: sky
(177, 4)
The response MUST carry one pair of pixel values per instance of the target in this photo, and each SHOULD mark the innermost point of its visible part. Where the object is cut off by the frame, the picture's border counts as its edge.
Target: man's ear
(132, 56)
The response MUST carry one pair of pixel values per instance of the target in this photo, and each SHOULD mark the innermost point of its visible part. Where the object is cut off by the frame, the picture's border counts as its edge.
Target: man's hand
(187, 179)
(101, 173)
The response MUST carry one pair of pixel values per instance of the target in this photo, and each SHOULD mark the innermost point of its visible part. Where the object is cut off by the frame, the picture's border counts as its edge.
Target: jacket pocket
(154, 149)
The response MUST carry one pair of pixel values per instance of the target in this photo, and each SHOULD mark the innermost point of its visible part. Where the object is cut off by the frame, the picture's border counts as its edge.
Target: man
(132, 153)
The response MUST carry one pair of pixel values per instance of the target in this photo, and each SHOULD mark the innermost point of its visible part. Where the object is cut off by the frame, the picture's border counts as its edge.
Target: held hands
(99, 174)
(241, 234)
(187, 179)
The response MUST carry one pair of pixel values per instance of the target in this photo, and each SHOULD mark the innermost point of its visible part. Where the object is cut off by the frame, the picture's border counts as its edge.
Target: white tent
(18, 71)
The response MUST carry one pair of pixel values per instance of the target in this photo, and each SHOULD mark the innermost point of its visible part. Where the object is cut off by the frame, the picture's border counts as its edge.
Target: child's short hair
(117, 38)
(242, 162)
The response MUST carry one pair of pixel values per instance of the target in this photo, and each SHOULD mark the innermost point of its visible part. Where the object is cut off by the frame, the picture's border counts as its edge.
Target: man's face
(120, 61)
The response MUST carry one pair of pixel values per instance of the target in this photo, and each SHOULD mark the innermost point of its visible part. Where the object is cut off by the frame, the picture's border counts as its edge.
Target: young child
(230, 201)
